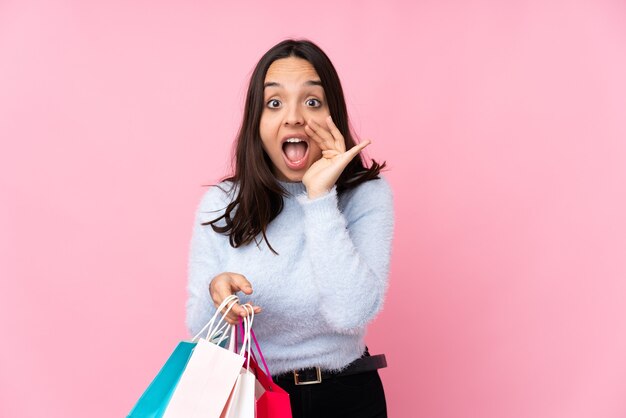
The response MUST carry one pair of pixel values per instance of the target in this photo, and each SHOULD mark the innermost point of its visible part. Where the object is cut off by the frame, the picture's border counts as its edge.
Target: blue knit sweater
(327, 283)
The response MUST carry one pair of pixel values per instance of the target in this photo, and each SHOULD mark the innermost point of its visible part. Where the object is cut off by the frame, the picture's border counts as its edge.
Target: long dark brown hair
(260, 197)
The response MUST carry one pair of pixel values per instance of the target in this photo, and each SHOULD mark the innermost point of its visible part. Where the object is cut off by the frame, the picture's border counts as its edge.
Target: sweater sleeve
(204, 261)
(350, 252)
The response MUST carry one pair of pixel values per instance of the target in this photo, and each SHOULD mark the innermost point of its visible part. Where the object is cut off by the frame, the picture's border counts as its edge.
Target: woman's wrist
(314, 194)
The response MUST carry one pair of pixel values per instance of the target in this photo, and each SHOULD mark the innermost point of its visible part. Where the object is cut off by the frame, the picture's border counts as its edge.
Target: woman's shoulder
(217, 196)
(371, 196)
(375, 189)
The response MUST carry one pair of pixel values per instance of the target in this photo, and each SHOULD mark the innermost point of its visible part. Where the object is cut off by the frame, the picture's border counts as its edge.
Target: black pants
(358, 395)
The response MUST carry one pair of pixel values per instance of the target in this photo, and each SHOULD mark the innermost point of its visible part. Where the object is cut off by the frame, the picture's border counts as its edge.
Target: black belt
(314, 375)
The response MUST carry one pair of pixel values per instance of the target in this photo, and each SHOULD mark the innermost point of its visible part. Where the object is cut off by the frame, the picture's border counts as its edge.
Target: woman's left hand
(323, 174)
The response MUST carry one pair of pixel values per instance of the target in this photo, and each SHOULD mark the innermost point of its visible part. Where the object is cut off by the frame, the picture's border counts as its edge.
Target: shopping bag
(241, 403)
(210, 375)
(154, 400)
(272, 401)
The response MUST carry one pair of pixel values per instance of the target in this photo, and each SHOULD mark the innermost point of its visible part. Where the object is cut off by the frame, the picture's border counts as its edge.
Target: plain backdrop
(503, 124)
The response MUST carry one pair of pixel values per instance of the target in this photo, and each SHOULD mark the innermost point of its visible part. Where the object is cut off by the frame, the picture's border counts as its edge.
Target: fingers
(316, 133)
(226, 284)
(352, 152)
(331, 141)
(329, 138)
(233, 317)
(349, 155)
(339, 141)
(220, 289)
(330, 153)
(239, 282)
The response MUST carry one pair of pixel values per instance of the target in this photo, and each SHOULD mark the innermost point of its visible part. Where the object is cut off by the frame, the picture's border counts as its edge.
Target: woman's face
(293, 96)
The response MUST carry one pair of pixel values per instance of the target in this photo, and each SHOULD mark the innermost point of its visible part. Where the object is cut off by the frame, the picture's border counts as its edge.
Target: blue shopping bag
(154, 400)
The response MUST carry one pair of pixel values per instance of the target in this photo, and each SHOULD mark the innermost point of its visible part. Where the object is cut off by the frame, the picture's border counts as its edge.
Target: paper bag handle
(231, 301)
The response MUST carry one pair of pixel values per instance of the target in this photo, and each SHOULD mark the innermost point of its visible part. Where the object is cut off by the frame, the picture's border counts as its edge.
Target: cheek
(265, 131)
(319, 118)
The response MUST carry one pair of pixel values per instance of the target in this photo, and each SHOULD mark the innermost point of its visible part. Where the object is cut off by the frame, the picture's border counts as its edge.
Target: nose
(294, 116)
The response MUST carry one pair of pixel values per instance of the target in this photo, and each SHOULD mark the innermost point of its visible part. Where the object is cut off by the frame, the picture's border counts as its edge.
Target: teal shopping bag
(154, 400)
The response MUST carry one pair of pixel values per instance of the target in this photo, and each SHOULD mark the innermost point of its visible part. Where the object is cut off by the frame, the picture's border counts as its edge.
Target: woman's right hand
(226, 284)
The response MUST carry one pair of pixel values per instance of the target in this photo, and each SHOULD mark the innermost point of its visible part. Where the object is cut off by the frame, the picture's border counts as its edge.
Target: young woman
(302, 230)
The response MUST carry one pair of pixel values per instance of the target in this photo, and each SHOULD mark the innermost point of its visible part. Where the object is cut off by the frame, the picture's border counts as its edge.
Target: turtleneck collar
(294, 188)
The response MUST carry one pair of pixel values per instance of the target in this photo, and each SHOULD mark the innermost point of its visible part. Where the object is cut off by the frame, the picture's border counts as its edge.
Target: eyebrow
(307, 83)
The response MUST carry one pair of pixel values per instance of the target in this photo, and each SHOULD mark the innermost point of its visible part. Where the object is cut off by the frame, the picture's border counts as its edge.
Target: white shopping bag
(210, 375)
(242, 401)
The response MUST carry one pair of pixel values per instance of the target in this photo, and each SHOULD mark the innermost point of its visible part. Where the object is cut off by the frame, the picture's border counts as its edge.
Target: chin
(294, 177)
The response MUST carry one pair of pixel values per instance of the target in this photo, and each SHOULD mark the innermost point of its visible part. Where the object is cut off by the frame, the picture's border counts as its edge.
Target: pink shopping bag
(272, 401)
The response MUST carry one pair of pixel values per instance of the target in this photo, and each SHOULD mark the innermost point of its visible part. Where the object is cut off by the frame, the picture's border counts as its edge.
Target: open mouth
(295, 152)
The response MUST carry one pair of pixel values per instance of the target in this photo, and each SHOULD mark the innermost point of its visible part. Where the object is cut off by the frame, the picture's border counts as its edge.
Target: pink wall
(504, 127)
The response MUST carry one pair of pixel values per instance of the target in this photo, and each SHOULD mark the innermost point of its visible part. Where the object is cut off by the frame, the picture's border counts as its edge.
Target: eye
(313, 103)
(273, 104)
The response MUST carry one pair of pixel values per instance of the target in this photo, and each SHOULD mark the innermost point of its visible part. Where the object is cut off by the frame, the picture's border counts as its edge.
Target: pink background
(504, 126)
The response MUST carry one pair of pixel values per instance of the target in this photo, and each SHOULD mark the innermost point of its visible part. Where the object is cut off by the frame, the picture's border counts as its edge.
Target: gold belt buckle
(308, 382)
